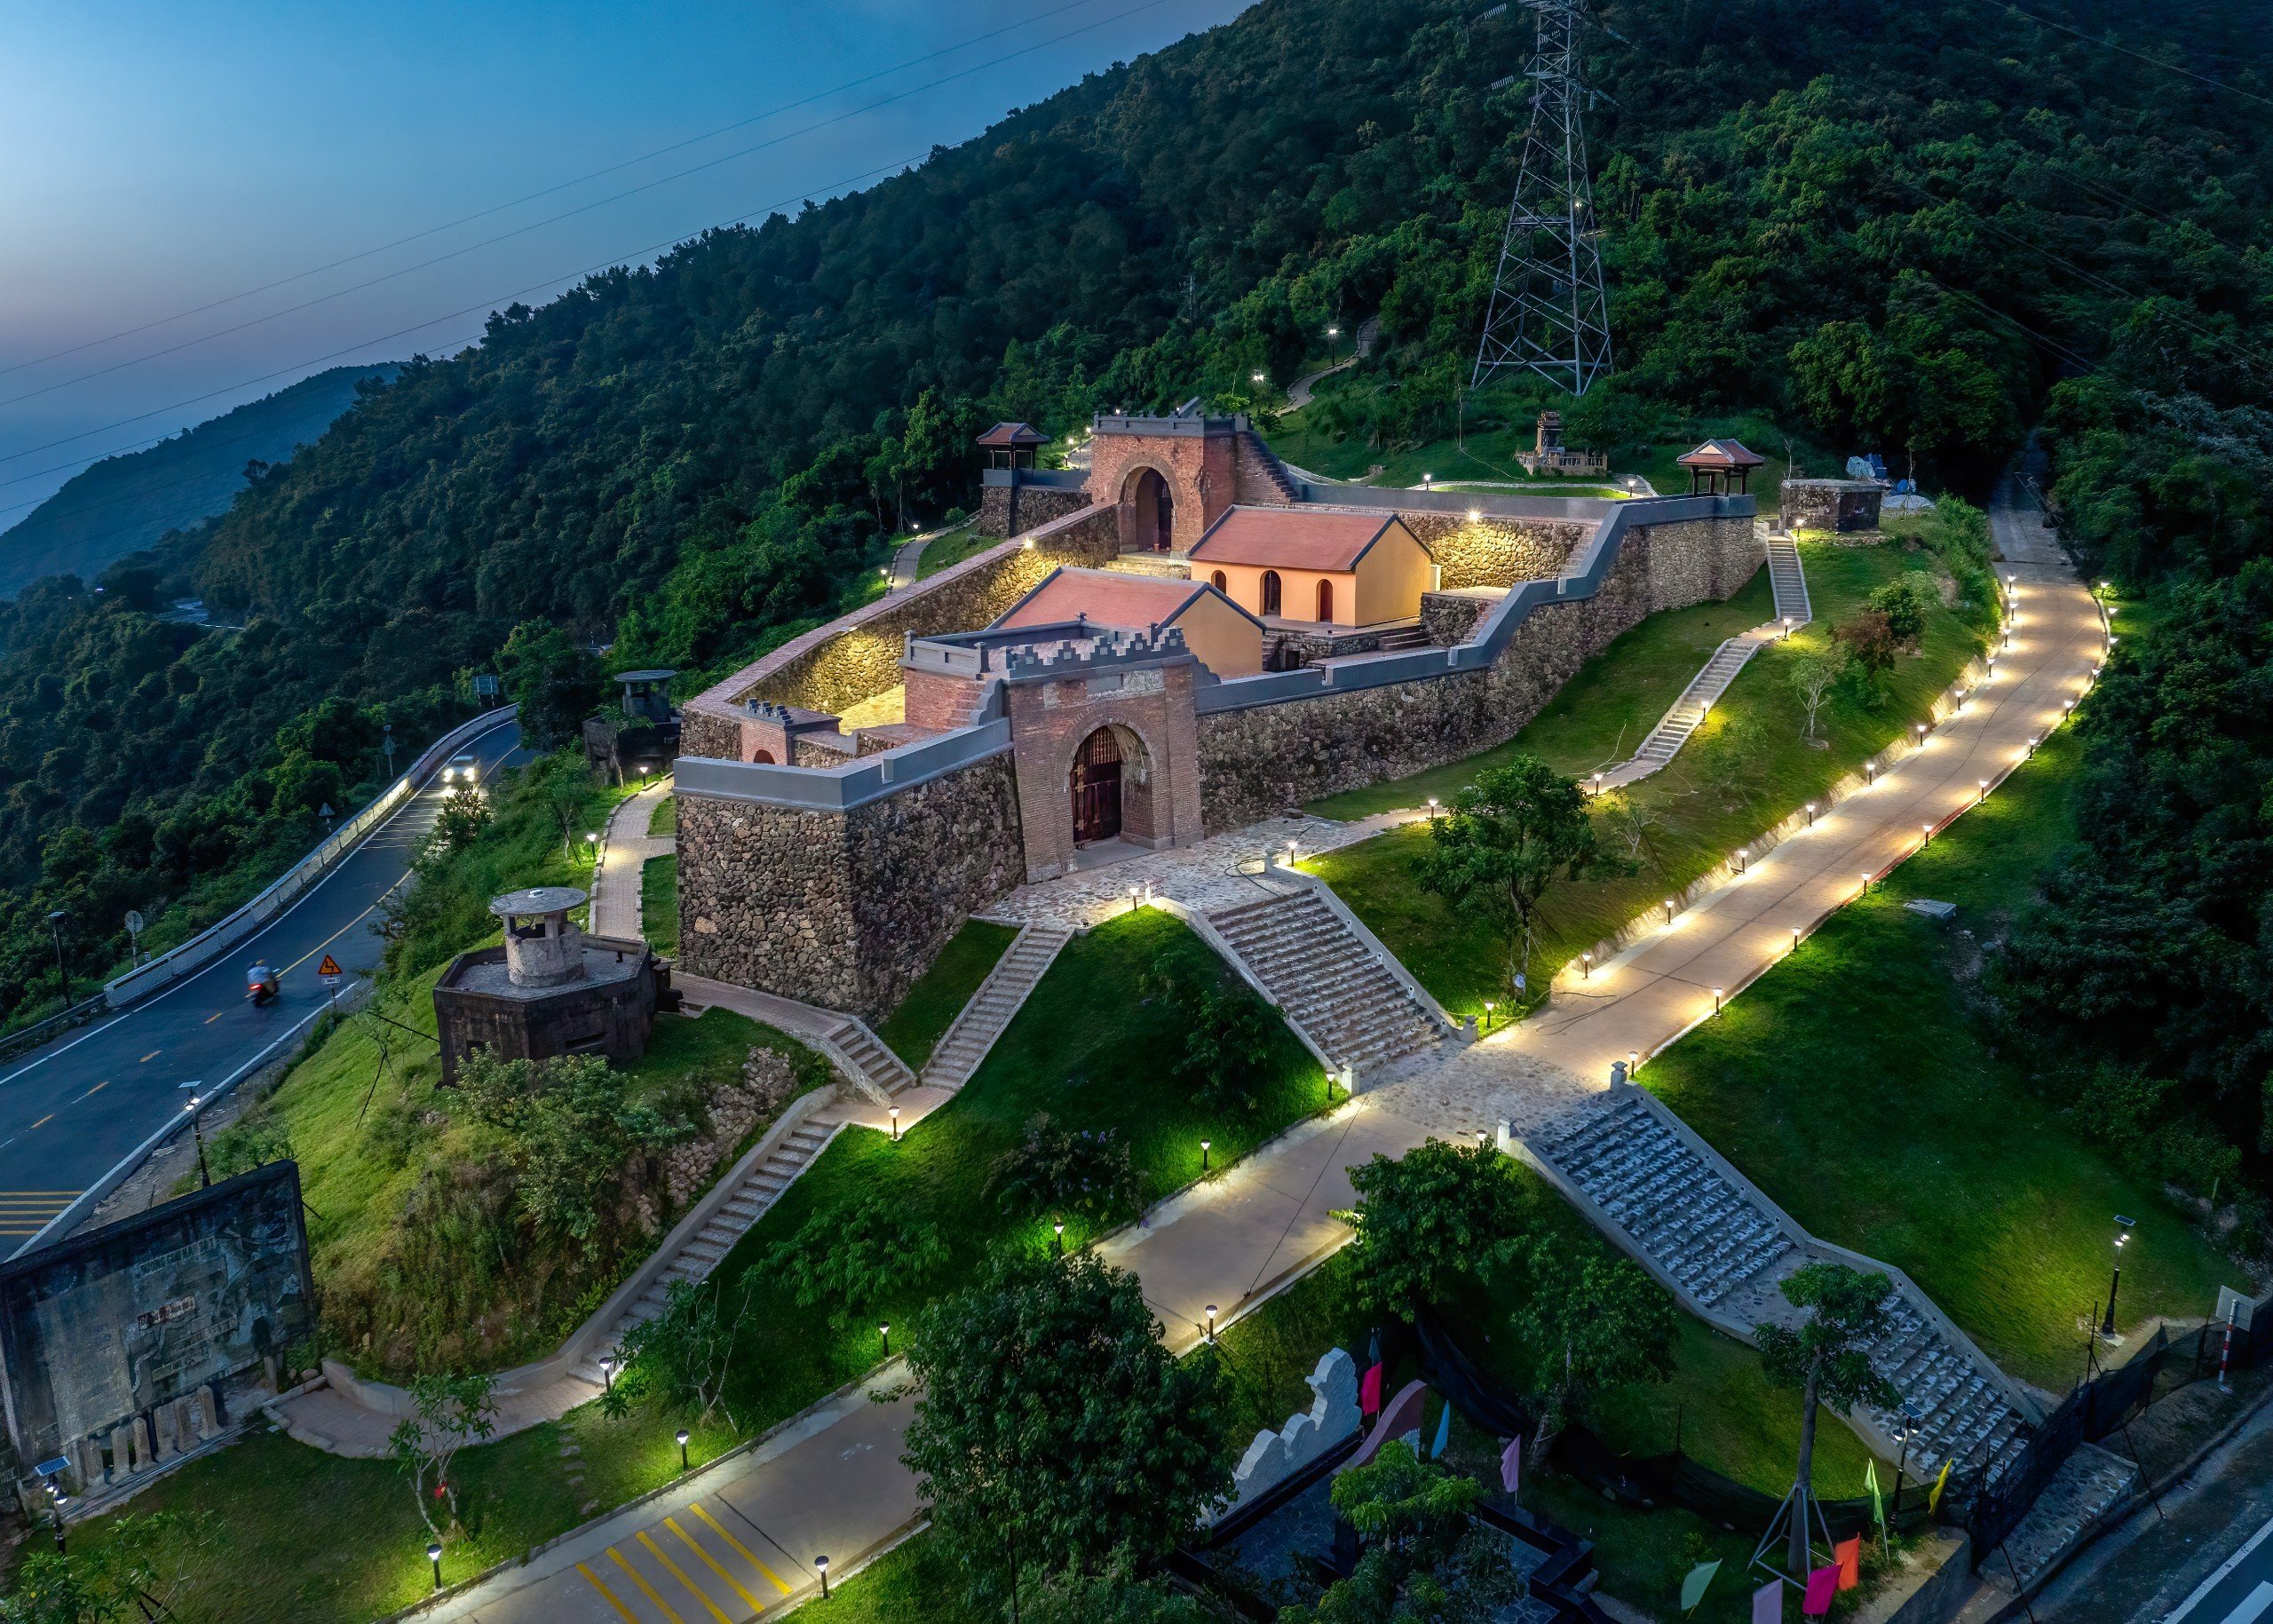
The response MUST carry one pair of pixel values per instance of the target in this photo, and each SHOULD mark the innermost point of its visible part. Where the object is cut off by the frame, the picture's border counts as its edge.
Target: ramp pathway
(624, 850)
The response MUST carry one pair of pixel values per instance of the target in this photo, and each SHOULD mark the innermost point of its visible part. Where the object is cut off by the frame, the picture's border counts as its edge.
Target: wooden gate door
(1096, 784)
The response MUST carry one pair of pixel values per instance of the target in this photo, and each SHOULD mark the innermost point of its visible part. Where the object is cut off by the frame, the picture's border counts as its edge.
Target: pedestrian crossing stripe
(711, 1561)
(748, 1555)
(646, 1589)
(607, 1594)
(679, 1573)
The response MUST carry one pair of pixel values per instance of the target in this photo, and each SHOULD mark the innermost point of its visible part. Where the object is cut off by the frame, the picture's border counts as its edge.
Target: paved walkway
(623, 854)
(1236, 1239)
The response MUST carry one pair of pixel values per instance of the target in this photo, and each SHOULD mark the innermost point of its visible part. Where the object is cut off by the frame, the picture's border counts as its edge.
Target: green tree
(1826, 1358)
(1422, 1559)
(1813, 677)
(1904, 601)
(683, 1355)
(1120, 1594)
(133, 1573)
(1054, 1431)
(855, 1257)
(553, 678)
(1055, 1170)
(448, 1413)
(1508, 838)
(465, 813)
(1223, 1037)
(1594, 1324)
(1430, 1218)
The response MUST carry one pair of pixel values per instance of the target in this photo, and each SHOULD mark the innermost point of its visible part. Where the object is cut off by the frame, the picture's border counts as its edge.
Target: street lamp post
(62, 966)
(197, 1132)
(2122, 1238)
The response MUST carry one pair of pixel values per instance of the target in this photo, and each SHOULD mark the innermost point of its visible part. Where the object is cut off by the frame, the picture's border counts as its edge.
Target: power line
(466, 219)
(645, 185)
(2107, 44)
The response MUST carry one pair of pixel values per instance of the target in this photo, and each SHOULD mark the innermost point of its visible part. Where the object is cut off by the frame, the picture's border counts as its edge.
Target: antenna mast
(1547, 310)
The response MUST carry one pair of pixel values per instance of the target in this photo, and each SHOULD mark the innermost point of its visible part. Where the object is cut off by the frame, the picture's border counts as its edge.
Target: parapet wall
(856, 656)
(1257, 760)
(843, 908)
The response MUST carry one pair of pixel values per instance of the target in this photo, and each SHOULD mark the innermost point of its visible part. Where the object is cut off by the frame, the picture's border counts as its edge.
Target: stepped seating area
(991, 1008)
(1694, 1223)
(703, 1252)
(1789, 581)
(1713, 1239)
(873, 1068)
(1328, 983)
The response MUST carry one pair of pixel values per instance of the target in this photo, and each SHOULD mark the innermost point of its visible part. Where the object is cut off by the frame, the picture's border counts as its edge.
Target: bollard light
(1632, 1061)
(1795, 938)
(1203, 1155)
(1057, 1229)
(1474, 514)
(682, 1449)
(1869, 772)
(893, 1111)
(1211, 1322)
(1927, 838)
(1488, 1007)
(1716, 1000)
(1668, 910)
(1483, 1139)
(883, 1335)
(1867, 883)
(821, 1566)
(607, 1372)
(434, 1555)
(1586, 966)
(1984, 793)
(1810, 815)
(1432, 806)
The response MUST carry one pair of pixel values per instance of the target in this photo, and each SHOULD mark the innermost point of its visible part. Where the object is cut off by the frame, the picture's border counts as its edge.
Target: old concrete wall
(856, 656)
(1259, 761)
(1495, 552)
(843, 909)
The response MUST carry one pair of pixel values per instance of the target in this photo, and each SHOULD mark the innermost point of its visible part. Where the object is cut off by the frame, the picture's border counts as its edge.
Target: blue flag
(1444, 1432)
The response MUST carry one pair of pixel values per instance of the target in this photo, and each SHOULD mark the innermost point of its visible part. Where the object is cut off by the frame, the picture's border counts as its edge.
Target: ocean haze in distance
(163, 157)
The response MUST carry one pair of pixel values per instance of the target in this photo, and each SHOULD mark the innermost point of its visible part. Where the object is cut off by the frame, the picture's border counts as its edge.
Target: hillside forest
(1923, 229)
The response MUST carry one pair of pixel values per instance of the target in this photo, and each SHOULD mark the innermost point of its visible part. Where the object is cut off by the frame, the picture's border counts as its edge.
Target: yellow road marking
(607, 1594)
(153, 1055)
(648, 1590)
(91, 1093)
(671, 1523)
(216, 1015)
(748, 1555)
(679, 1573)
(43, 1122)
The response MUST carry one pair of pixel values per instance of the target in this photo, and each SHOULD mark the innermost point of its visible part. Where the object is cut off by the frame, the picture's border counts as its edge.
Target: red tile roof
(1292, 538)
(1019, 434)
(1107, 597)
(1720, 453)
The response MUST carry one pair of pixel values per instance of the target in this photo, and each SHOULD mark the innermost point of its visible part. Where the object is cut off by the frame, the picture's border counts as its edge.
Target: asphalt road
(71, 1112)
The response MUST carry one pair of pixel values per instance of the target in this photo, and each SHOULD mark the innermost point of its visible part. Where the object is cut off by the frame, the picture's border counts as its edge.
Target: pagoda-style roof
(1720, 453)
(1014, 437)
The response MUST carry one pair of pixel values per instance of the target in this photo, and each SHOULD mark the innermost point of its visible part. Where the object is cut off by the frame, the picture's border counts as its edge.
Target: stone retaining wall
(843, 909)
(1493, 551)
(1012, 510)
(1257, 762)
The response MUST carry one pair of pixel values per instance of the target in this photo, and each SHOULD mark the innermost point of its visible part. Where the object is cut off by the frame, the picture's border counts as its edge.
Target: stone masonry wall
(1013, 509)
(1257, 762)
(1490, 552)
(1449, 618)
(843, 909)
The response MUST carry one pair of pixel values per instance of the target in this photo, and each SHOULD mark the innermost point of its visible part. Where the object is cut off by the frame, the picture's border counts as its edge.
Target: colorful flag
(1849, 1554)
(1444, 1433)
(1768, 1602)
(1823, 1584)
(1878, 1506)
(1934, 1499)
(1693, 1587)
(1369, 1392)
(1512, 1464)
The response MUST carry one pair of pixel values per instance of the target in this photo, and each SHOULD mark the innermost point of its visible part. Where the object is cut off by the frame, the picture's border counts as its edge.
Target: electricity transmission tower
(1547, 312)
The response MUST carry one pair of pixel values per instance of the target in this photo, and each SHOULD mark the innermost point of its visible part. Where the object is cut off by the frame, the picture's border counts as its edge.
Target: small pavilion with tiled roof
(1012, 445)
(1325, 565)
(1720, 467)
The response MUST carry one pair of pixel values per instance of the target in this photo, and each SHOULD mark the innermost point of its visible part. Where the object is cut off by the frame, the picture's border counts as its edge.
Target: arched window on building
(1223, 583)
(1271, 591)
(1326, 600)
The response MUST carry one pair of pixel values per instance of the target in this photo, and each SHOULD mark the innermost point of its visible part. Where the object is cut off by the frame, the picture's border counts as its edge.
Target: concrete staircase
(1722, 1246)
(705, 1250)
(1403, 637)
(991, 1008)
(1258, 476)
(1789, 581)
(866, 1064)
(1687, 714)
(1328, 982)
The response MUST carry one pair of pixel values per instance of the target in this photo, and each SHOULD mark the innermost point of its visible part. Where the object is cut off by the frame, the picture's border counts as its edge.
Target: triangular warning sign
(329, 967)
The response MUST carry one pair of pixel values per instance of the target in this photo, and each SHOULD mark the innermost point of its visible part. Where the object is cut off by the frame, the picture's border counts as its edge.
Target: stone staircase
(1789, 581)
(866, 1064)
(1726, 1249)
(1403, 637)
(1259, 476)
(1328, 982)
(703, 1252)
(1688, 713)
(991, 1008)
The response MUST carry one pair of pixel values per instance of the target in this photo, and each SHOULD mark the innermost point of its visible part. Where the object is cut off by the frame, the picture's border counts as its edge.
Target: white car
(463, 770)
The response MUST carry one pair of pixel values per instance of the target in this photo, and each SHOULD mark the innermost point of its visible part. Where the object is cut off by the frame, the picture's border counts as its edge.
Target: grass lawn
(1858, 1084)
(1742, 772)
(916, 1580)
(664, 820)
(658, 902)
(951, 548)
(914, 1029)
(307, 1537)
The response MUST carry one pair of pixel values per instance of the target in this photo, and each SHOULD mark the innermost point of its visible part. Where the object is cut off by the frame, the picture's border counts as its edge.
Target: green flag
(1877, 1505)
(1692, 1588)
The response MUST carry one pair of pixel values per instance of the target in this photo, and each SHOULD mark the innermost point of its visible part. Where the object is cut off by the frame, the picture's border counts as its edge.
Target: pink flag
(1849, 1555)
(1369, 1392)
(1512, 1464)
(1768, 1602)
(1823, 1584)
